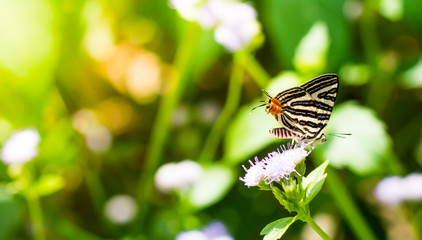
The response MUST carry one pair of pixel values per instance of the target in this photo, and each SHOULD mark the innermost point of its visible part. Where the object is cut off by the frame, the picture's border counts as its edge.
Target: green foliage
(101, 80)
(247, 134)
(314, 181)
(211, 188)
(9, 209)
(368, 150)
(275, 230)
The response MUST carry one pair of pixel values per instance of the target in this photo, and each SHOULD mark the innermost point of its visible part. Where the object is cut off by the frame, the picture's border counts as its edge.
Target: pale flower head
(279, 165)
(214, 231)
(276, 166)
(235, 22)
(188, 9)
(120, 209)
(217, 231)
(394, 190)
(255, 174)
(210, 13)
(192, 235)
(234, 38)
(177, 176)
(21, 147)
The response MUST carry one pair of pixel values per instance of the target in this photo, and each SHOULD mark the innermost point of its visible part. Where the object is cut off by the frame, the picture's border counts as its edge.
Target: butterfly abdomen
(282, 133)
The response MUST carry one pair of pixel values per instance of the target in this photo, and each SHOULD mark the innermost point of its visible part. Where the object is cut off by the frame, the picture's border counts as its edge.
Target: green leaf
(49, 183)
(212, 187)
(412, 78)
(314, 181)
(368, 150)
(276, 229)
(294, 19)
(9, 212)
(311, 53)
(248, 133)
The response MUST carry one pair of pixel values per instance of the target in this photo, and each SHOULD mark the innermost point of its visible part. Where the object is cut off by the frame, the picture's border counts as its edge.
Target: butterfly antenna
(266, 93)
(257, 107)
(340, 135)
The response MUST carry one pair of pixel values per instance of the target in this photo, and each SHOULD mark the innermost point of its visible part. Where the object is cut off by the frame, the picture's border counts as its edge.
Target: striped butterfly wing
(298, 112)
(306, 109)
(323, 90)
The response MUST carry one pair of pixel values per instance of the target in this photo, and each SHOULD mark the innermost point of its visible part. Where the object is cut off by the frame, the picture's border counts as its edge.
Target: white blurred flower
(120, 209)
(98, 138)
(276, 166)
(192, 235)
(188, 9)
(21, 147)
(208, 111)
(235, 22)
(180, 116)
(177, 176)
(214, 231)
(217, 231)
(393, 190)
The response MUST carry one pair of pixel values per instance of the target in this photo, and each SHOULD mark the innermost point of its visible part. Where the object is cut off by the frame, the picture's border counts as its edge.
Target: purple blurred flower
(214, 231)
(393, 190)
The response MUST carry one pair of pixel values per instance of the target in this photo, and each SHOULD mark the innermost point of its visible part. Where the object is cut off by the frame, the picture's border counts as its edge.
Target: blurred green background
(118, 88)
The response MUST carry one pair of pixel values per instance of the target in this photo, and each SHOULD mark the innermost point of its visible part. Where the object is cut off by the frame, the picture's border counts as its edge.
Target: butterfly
(303, 111)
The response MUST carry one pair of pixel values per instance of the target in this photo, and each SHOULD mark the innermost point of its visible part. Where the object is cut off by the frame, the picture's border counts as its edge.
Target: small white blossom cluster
(214, 231)
(275, 167)
(21, 147)
(235, 22)
(394, 190)
(177, 176)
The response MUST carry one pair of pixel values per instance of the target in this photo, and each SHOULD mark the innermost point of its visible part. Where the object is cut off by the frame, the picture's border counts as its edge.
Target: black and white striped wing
(307, 108)
(323, 90)
(299, 112)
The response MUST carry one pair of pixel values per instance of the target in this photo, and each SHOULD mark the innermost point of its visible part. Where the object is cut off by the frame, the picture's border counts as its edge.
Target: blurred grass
(62, 59)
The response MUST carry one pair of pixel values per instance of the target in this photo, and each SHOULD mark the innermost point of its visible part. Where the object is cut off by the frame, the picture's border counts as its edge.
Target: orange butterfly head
(272, 104)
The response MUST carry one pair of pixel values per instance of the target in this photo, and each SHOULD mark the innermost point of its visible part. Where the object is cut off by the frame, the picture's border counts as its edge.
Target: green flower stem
(304, 215)
(257, 72)
(98, 196)
(35, 213)
(317, 229)
(178, 81)
(348, 208)
(232, 102)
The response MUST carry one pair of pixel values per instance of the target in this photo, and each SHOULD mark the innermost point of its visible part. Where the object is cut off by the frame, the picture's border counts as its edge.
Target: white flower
(235, 22)
(21, 147)
(120, 209)
(280, 165)
(210, 13)
(274, 167)
(177, 176)
(254, 174)
(217, 231)
(214, 231)
(192, 235)
(188, 9)
(393, 190)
